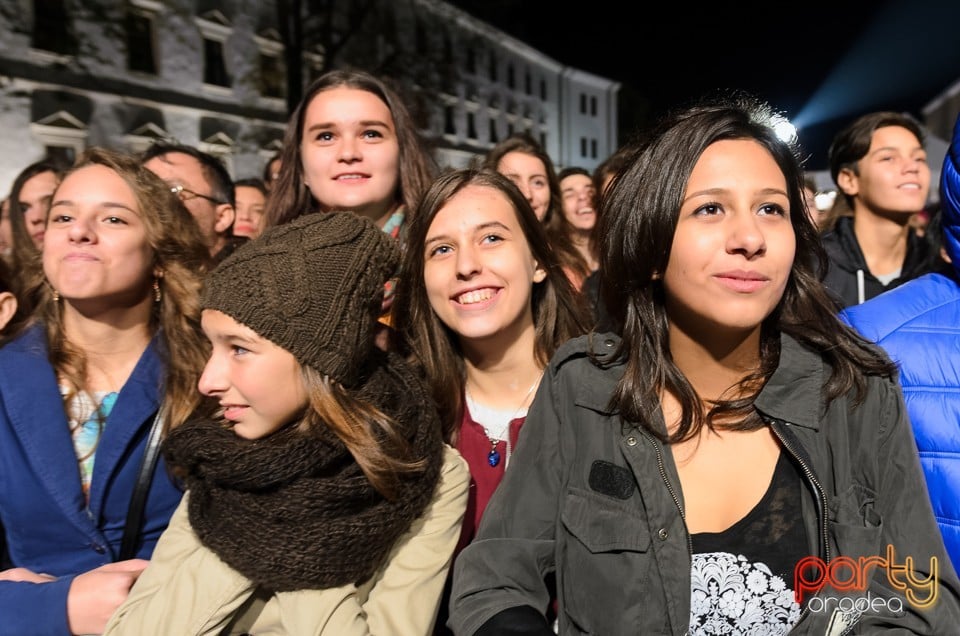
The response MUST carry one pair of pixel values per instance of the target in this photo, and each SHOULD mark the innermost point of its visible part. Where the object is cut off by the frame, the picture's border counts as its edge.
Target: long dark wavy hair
(289, 196)
(559, 312)
(639, 219)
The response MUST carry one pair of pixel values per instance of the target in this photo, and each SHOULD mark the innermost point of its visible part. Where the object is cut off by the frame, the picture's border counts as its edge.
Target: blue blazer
(48, 526)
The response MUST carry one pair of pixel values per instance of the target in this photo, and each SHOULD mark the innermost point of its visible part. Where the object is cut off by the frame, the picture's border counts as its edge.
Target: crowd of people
(361, 393)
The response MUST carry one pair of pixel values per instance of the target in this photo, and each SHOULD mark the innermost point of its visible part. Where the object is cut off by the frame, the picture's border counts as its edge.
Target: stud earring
(56, 296)
(156, 289)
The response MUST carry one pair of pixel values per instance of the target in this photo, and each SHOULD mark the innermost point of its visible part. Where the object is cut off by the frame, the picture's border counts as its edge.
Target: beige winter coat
(187, 590)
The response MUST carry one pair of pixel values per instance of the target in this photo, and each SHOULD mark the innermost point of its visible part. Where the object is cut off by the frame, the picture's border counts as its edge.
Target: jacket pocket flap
(604, 524)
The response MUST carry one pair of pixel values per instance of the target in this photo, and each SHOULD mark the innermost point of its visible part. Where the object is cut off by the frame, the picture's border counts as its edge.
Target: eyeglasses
(186, 195)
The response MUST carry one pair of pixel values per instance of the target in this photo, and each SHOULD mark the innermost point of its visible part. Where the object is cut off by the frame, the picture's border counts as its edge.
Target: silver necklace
(494, 457)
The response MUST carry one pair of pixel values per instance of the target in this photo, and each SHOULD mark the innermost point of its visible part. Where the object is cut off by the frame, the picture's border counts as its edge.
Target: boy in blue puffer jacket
(918, 324)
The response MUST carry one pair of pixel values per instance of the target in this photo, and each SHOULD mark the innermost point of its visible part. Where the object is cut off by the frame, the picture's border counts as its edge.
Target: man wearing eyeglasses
(205, 187)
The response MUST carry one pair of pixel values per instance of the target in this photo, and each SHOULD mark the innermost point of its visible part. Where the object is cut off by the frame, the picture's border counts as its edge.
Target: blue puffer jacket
(918, 324)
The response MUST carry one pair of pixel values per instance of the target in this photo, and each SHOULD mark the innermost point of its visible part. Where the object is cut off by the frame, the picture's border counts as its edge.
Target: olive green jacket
(616, 539)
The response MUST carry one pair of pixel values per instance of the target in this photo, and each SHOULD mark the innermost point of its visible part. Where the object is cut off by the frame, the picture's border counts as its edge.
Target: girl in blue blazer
(114, 340)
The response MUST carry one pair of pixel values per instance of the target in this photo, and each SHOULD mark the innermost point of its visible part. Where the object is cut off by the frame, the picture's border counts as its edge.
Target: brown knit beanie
(312, 286)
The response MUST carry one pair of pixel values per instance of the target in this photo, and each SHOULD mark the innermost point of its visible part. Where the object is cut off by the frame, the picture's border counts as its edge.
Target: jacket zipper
(807, 471)
(666, 481)
(673, 494)
(787, 444)
(821, 498)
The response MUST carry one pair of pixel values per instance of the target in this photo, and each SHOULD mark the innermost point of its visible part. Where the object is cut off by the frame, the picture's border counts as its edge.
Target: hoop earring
(156, 289)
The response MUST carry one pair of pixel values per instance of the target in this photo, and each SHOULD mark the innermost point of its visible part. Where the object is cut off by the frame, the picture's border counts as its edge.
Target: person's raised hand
(95, 595)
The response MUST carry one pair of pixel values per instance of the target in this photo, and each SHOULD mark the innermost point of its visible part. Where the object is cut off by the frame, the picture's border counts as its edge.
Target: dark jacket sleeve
(909, 527)
(516, 621)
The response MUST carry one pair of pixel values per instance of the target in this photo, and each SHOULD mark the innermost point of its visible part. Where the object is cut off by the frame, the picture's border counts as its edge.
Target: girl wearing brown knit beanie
(323, 499)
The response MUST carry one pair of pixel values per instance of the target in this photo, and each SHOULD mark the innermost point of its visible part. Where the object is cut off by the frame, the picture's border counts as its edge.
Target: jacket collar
(794, 393)
(594, 390)
(132, 414)
(850, 257)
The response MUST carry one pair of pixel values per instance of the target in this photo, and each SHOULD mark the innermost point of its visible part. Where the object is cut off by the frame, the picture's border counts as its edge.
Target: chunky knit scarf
(293, 510)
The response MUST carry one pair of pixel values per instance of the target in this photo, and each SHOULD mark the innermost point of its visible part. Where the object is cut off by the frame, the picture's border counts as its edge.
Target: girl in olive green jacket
(739, 461)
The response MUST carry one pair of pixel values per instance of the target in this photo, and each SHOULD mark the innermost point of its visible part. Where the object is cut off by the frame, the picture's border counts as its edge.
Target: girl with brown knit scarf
(323, 499)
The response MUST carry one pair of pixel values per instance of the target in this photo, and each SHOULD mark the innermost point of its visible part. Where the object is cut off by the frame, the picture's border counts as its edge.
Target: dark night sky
(821, 63)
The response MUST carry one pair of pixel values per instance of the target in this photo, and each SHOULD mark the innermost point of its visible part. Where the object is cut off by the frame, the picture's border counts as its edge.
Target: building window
(510, 129)
(139, 31)
(511, 79)
(492, 71)
(447, 46)
(583, 146)
(527, 83)
(51, 28)
(471, 61)
(215, 29)
(449, 121)
(543, 89)
(471, 92)
(272, 77)
(583, 104)
(64, 155)
(493, 137)
(593, 106)
(593, 148)
(422, 42)
(543, 139)
(63, 135)
(219, 138)
(471, 126)
(214, 69)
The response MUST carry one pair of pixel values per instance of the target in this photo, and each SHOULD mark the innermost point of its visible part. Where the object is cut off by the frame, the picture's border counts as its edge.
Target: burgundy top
(475, 446)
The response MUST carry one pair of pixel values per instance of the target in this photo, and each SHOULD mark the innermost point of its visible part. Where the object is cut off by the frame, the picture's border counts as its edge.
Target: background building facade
(221, 75)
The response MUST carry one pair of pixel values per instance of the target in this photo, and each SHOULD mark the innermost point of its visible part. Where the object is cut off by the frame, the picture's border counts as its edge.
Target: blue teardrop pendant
(494, 457)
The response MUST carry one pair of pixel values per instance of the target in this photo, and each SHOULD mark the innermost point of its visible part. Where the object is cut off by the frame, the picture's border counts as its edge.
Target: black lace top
(742, 578)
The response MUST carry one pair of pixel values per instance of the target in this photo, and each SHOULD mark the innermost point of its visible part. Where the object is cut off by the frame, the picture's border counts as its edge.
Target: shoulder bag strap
(131, 529)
